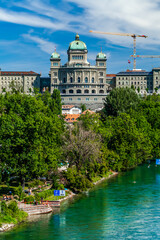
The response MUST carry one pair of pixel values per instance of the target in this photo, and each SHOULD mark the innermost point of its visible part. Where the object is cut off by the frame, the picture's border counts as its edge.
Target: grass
(55, 198)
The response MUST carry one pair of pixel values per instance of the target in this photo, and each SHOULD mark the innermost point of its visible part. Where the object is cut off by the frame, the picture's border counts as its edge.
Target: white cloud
(134, 16)
(44, 45)
(29, 20)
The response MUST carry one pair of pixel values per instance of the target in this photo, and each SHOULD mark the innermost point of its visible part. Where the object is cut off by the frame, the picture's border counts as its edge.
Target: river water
(124, 207)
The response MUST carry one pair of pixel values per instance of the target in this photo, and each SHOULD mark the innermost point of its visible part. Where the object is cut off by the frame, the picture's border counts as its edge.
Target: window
(92, 79)
(70, 91)
(70, 99)
(86, 79)
(101, 74)
(79, 79)
(64, 80)
(101, 80)
(95, 99)
(62, 99)
(63, 91)
(55, 80)
(71, 79)
(101, 91)
(93, 91)
(79, 99)
(78, 91)
(55, 74)
(55, 64)
(87, 99)
(86, 91)
(101, 64)
(156, 82)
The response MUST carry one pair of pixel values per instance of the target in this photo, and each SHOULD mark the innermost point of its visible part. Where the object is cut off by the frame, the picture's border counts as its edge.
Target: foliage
(76, 180)
(132, 145)
(11, 213)
(83, 107)
(120, 100)
(81, 146)
(29, 137)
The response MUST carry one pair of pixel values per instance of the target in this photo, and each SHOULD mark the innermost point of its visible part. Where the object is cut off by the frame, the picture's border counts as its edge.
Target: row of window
(127, 83)
(132, 78)
(15, 78)
(79, 80)
(79, 99)
(77, 57)
(80, 91)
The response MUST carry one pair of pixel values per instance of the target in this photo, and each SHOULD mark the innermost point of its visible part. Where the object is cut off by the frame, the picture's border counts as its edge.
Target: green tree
(81, 146)
(133, 145)
(29, 137)
(56, 102)
(121, 100)
(83, 107)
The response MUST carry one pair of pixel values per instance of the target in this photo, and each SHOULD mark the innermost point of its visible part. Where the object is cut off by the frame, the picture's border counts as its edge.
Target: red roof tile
(110, 75)
(13, 73)
(71, 117)
(67, 106)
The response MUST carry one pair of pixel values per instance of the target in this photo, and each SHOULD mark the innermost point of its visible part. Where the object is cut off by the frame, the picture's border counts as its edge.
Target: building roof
(55, 55)
(101, 55)
(110, 75)
(70, 118)
(88, 111)
(134, 73)
(3, 73)
(67, 106)
(77, 44)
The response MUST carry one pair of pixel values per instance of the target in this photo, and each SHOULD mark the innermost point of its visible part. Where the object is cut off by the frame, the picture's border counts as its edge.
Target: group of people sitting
(7, 197)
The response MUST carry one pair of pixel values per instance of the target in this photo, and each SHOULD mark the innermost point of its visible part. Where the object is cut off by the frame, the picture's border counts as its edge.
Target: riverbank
(7, 227)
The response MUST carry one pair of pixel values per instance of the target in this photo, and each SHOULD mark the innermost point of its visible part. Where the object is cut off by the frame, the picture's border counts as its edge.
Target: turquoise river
(124, 207)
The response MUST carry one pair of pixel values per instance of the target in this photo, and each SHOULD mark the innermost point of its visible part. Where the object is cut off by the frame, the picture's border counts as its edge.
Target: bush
(29, 199)
(43, 194)
(11, 213)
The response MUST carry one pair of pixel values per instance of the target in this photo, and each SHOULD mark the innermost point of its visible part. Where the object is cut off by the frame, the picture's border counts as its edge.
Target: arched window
(92, 79)
(63, 91)
(78, 91)
(86, 79)
(86, 91)
(101, 91)
(71, 79)
(79, 79)
(70, 91)
(64, 80)
(93, 91)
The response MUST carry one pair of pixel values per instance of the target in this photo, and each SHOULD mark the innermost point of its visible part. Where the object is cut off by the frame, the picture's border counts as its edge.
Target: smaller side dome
(101, 56)
(55, 55)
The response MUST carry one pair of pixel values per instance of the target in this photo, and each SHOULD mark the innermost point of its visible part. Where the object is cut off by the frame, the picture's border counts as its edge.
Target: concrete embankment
(34, 209)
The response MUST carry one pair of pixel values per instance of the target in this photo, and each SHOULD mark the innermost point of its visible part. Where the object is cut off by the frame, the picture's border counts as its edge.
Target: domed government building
(78, 81)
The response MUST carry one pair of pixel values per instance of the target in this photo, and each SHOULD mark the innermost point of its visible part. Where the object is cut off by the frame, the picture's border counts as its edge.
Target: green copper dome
(101, 55)
(55, 55)
(77, 44)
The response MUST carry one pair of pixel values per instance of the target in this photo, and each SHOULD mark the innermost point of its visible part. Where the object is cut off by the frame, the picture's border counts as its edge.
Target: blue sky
(31, 29)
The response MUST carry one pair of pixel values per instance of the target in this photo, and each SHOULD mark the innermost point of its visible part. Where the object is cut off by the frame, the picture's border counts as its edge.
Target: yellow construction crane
(128, 35)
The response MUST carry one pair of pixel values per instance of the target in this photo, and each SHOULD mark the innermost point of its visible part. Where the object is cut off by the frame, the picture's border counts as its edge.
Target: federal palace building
(78, 81)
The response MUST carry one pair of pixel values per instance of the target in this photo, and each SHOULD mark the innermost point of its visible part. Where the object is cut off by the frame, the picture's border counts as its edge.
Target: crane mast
(134, 36)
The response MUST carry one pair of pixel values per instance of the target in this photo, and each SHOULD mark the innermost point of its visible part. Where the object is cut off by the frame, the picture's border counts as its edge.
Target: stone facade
(142, 81)
(78, 81)
(27, 81)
